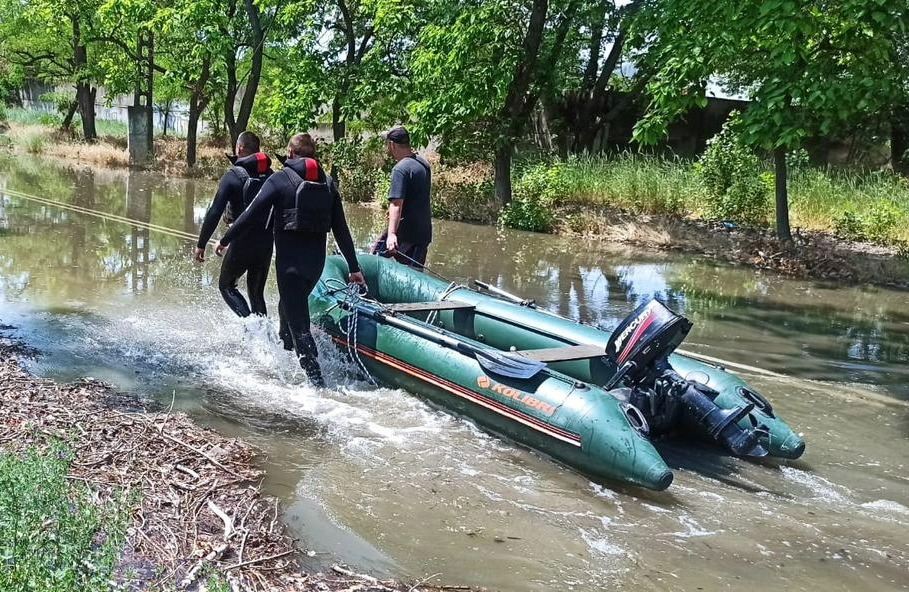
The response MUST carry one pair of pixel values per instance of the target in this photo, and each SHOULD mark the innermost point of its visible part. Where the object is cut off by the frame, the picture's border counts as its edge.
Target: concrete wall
(177, 120)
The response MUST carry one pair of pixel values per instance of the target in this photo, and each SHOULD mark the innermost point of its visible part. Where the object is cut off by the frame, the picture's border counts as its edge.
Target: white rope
(351, 299)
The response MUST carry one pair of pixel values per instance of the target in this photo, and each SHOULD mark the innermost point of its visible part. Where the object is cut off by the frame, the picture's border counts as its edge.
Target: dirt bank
(814, 255)
(201, 510)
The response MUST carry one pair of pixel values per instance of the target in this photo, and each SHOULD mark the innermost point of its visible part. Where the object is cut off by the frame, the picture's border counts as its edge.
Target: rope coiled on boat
(352, 296)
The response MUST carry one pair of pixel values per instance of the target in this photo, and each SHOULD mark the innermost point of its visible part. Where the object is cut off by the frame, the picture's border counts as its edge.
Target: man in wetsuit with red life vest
(252, 254)
(304, 203)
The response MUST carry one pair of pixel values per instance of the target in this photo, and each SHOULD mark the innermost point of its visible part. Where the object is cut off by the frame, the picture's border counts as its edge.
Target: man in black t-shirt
(409, 214)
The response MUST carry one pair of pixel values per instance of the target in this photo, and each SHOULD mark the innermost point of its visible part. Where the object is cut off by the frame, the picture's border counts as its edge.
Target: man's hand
(199, 254)
(219, 250)
(391, 243)
(356, 278)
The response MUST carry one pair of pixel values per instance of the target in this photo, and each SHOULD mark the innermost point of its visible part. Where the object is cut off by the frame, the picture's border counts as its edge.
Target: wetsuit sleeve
(263, 200)
(229, 183)
(341, 232)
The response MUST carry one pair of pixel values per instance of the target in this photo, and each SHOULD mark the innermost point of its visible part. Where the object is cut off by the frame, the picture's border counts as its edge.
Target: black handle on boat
(491, 360)
(504, 294)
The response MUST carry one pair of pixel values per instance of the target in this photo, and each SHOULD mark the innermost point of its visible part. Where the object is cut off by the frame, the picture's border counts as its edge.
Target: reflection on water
(376, 477)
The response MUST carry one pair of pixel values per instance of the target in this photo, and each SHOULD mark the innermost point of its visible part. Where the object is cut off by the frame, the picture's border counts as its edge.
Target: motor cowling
(651, 332)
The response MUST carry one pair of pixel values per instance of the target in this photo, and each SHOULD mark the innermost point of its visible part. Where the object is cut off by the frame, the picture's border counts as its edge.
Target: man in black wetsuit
(305, 204)
(251, 254)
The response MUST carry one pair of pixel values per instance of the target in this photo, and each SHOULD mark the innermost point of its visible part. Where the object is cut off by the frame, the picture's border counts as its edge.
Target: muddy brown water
(95, 272)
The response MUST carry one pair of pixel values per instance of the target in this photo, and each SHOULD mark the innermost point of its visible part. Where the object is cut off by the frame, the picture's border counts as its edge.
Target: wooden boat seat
(564, 354)
(428, 306)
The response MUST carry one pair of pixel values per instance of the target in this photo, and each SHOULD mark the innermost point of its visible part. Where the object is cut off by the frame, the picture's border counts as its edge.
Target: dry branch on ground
(200, 509)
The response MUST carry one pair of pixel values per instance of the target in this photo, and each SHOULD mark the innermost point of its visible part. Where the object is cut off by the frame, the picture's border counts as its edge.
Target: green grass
(104, 127)
(29, 117)
(819, 199)
(633, 182)
(54, 536)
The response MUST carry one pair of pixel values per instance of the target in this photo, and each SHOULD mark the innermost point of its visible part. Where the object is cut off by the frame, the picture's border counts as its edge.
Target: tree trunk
(70, 113)
(339, 131)
(782, 197)
(165, 114)
(198, 101)
(899, 141)
(192, 130)
(230, 97)
(503, 174)
(257, 41)
(338, 125)
(85, 94)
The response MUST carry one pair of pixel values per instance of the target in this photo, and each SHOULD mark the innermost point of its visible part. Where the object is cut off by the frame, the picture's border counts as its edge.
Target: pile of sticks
(199, 509)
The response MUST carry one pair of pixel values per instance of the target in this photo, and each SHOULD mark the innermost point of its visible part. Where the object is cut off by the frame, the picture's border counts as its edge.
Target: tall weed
(736, 188)
(534, 198)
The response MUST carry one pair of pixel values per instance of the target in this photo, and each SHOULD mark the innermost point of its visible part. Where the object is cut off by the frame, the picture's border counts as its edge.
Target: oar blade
(511, 366)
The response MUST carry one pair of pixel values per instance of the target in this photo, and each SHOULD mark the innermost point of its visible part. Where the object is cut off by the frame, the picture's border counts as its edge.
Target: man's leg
(413, 255)
(232, 267)
(294, 291)
(256, 276)
(283, 329)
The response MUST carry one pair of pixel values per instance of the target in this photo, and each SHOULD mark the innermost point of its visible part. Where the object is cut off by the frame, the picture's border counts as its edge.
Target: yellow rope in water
(103, 215)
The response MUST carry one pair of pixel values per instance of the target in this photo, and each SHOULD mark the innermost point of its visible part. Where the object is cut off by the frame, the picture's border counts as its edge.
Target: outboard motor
(638, 353)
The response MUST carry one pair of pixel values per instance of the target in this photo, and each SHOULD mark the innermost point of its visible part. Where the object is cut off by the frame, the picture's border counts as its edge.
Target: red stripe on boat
(491, 404)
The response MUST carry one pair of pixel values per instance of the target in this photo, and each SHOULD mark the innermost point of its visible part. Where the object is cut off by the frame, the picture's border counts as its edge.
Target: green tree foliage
(344, 59)
(586, 91)
(486, 64)
(192, 34)
(809, 67)
(50, 42)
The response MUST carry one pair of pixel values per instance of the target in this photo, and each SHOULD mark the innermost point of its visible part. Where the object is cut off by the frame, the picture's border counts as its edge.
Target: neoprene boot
(235, 301)
(305, 347)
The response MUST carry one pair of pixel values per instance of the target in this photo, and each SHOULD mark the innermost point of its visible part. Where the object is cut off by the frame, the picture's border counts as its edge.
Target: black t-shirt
(411, 180)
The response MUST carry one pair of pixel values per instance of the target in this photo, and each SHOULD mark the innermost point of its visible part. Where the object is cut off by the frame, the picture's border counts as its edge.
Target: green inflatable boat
(589, 399)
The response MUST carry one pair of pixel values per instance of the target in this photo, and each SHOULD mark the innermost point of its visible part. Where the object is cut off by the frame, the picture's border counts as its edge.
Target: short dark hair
(302, 146)
(249, 141)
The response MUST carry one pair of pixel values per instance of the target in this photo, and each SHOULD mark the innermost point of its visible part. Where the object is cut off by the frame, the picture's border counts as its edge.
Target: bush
(849, 226)
(731, 172)
(34, 144)
(464, 193)
(53, 535)
(879, 224)
(361, 167)
(534, 197)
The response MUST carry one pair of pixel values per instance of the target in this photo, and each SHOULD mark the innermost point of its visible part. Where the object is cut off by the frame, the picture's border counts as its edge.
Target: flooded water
(95, 271)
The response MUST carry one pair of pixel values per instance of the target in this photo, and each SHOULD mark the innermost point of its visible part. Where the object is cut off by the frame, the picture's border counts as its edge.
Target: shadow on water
(707, 460)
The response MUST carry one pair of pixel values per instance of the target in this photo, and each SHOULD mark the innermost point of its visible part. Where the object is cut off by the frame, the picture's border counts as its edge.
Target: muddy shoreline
(201, 510)
(813, 255)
